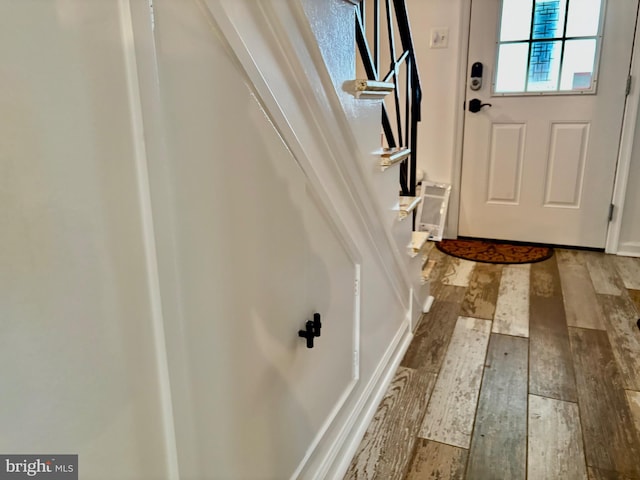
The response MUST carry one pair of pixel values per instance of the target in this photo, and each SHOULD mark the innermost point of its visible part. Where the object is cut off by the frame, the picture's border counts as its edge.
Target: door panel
(540, 168)
(505, 163)
(565, 168)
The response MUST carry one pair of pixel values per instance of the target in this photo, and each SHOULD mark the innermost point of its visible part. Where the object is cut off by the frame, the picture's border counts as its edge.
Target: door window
(548, 46)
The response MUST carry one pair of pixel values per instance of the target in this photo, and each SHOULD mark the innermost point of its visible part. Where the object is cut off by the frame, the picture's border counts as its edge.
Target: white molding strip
(148, 231)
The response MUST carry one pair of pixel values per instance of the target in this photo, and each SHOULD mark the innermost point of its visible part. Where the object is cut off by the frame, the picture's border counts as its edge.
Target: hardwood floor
(555, 446)
(395, 423)
(517, 372)
(499, 446)
(450, 413)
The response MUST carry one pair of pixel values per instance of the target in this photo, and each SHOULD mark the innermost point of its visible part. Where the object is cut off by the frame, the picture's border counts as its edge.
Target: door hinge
(611, 208)
(628, 89)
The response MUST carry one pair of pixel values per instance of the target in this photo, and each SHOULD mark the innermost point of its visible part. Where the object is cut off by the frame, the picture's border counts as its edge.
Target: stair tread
(427, 269)
(417, 243)
(362, 85)
(393, 156)
(363, 88)
(406, 205)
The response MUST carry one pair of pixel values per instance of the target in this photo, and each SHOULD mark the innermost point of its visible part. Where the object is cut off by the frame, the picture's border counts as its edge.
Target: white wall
(77, 356)
(440, 79)
(258, 218)
(441, 72)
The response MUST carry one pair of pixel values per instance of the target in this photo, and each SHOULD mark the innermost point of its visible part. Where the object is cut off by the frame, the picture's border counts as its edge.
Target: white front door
(539, 161)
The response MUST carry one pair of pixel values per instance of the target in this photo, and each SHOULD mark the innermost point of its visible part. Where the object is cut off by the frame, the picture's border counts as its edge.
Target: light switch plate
(439, 37)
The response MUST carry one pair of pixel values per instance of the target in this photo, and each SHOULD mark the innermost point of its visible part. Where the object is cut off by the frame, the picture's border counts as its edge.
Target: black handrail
(413, 97)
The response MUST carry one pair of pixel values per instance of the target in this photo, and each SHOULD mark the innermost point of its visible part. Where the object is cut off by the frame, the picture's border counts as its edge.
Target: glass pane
(512, 67)
(544, 66)
(584, 18)
(516, 20)
(577, 65)
(548, 18)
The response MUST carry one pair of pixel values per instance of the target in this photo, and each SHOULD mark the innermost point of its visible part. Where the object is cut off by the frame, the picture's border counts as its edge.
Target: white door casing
(541, 168)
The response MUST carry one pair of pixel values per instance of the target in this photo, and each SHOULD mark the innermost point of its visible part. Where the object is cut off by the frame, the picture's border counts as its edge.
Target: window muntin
(548, 46)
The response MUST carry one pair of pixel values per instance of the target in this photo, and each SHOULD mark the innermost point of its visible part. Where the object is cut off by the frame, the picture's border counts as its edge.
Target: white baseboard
(336, 465)
(629, 249)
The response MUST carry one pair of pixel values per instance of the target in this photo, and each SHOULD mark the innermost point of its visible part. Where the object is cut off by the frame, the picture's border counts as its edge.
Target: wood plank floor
(517, 372)
(555, 433)
(449, 417)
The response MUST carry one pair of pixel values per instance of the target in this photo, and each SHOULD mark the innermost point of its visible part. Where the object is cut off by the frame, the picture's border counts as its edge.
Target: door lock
(475, 105)
(476, 76)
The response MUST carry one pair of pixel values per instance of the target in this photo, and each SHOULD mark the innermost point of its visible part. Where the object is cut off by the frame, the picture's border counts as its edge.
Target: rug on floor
(494, 251)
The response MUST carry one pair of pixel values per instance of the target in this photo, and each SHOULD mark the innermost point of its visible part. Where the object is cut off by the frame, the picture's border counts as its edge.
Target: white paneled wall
(179, 193)
(80, 371)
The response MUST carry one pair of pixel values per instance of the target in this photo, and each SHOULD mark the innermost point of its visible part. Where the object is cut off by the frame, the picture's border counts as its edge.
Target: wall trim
(629, 249)
(625, 150)
(148, 231)
(350, 390)
(461, 82)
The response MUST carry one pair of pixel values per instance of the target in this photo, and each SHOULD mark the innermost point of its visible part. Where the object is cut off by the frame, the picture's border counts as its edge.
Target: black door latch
(475, 105)
(311, 330)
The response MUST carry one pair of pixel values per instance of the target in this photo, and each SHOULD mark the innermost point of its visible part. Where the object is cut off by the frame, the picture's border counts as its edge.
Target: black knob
(317, 324)
(308, 333)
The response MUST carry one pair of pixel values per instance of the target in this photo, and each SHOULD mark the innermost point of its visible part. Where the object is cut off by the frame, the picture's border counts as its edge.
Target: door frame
(625, 148)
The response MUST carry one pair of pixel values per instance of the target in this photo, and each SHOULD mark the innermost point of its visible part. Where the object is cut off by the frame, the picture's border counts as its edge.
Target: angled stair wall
(292, 66)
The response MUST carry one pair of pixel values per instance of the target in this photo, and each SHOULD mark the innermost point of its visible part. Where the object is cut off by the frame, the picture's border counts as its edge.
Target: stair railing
(406, 130)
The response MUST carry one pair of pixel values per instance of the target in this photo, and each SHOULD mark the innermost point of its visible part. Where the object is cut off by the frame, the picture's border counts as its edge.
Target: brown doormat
(494, 251)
